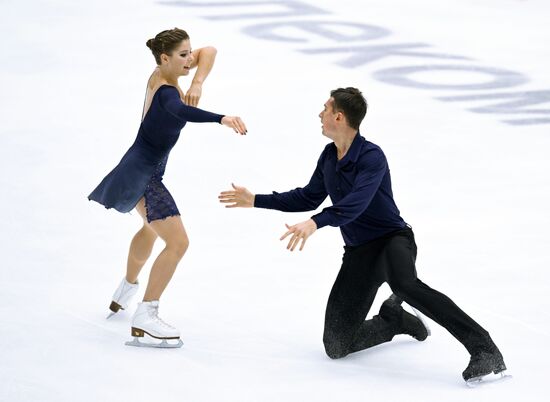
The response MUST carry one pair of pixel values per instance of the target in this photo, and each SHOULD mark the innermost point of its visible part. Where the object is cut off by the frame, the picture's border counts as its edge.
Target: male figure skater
(380, 245)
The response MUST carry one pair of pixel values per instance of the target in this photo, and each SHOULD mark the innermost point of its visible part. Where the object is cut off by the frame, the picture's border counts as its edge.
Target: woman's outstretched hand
(235, 123)
(239, 197)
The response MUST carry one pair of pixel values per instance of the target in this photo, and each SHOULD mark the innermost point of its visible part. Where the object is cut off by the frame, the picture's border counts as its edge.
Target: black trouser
(364, 268)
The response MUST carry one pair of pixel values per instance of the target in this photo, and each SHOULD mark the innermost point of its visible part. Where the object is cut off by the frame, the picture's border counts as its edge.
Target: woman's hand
(193, 94)
(235, 123)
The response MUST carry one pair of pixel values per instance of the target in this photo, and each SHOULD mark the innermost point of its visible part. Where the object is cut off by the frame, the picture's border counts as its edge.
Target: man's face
(328, 118)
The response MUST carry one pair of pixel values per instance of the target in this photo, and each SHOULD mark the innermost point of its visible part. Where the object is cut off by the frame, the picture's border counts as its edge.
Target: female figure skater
(136, 182)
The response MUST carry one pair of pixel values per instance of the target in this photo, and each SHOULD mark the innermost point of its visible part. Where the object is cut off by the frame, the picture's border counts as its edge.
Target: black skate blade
(164, 344)
(488, 379)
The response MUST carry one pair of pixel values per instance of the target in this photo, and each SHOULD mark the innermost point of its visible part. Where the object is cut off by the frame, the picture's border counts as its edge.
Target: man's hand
(239, 197)
(193, 94)
(300, 231)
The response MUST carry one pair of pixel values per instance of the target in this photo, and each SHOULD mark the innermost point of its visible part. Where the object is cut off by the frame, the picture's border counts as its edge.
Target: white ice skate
(147, 322)
(122, 296)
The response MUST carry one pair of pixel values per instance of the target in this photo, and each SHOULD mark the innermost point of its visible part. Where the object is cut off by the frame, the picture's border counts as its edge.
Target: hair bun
(166, 42)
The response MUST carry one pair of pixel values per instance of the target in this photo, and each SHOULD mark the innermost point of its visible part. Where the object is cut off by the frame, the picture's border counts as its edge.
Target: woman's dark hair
(351, 103)
(166, 42)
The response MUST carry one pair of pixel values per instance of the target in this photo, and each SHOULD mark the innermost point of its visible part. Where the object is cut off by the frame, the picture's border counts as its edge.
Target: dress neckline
(153, 98)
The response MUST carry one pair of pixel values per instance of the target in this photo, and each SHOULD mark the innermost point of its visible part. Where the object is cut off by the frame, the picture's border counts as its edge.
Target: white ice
(475, 189)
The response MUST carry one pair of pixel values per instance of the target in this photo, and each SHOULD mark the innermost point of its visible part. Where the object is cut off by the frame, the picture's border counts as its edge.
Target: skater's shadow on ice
(403, 359)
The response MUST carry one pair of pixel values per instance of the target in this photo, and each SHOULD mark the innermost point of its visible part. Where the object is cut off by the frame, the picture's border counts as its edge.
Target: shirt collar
(353, 152)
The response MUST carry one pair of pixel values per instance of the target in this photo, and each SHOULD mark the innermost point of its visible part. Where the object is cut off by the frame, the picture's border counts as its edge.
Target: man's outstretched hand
(239, 197)
(300, 231)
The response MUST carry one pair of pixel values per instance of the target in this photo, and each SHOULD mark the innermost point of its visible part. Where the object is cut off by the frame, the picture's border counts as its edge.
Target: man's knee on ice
(334, 348)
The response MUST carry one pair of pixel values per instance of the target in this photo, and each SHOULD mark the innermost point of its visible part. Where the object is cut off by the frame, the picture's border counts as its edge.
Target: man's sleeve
(300, 199)
(372, 168)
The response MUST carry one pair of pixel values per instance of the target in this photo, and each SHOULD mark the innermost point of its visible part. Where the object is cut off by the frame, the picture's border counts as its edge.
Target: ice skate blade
(422, 319)
(488, 379)
(110, 315)
(162, 345)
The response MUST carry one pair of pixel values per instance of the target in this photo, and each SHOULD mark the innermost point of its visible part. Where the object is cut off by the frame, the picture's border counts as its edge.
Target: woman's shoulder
(166, 92)
(154, 80)
(163, 90)
(157, 84)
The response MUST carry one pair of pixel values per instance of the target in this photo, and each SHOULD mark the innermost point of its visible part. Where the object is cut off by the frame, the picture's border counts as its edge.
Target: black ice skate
(409, 324)
(482, 364)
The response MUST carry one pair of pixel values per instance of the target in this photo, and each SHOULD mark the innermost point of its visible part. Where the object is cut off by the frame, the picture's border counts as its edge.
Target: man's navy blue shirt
(359, 186)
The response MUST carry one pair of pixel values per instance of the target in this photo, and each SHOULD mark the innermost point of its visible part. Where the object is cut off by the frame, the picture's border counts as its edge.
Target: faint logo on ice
(472, 82)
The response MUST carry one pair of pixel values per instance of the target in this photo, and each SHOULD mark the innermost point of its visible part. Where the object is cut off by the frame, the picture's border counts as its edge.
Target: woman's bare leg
(172, 231)
(140, 247)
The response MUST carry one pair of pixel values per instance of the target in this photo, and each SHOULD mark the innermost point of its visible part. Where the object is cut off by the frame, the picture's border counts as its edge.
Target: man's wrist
(321, 219)
(263, 201)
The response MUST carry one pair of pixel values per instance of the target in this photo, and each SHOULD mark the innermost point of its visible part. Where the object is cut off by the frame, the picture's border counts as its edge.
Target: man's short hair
(351, 103)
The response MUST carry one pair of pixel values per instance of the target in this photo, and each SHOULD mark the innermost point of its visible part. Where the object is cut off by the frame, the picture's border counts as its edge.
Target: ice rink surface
(459, 97)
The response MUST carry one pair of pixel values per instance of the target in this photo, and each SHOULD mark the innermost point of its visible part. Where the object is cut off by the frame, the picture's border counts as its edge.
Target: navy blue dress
(139, 172)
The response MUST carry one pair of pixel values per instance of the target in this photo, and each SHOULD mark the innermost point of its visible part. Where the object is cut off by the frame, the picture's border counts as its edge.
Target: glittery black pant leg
(364, 269)
(399, 258)
(350, 300)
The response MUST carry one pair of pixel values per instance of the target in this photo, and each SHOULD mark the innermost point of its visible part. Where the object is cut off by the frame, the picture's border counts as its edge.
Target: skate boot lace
(155, 315)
